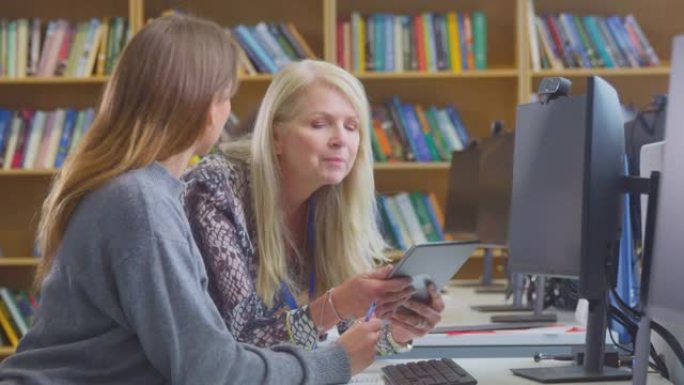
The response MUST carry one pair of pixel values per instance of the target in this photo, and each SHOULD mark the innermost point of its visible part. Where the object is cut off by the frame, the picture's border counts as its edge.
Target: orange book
(420, 42)
(383, 140)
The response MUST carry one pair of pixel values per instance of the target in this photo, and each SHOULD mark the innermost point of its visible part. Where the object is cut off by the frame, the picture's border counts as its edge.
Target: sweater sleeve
(163, 298)
(218, 224)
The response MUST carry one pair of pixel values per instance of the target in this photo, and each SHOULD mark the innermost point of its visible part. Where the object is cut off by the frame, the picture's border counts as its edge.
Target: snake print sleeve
(384, 346)
(217, 204)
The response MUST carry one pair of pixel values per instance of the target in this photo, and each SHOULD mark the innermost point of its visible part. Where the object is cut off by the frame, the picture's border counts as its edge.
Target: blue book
(415, 133)
(67, 134)
(393, 222)
(567, 22)
(249, 43)
(458, 123)
(620, 35)
(599, 43)
(389, 42)
(5, 128)
(463, 42)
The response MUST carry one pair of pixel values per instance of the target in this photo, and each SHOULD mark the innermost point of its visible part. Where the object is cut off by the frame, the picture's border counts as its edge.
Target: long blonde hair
(154, 106)
(346, 233)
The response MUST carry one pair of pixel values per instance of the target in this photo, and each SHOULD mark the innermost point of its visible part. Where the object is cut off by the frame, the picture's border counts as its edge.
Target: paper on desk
(367, 379)
(551, 330)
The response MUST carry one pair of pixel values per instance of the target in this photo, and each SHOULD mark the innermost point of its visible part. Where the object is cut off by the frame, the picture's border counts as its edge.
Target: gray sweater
(127, 303)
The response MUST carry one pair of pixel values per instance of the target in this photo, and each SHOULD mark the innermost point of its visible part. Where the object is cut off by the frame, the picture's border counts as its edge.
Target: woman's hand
(415, 319)
(359, 344)
(354, 296)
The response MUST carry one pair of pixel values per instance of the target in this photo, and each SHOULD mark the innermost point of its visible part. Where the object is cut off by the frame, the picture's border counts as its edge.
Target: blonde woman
(286, 224)
(124, 289)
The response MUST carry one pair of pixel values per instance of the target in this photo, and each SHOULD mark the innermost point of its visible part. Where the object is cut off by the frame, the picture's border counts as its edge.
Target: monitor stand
(517, 287)
(538, 315)
(592, 369)
(486, 284)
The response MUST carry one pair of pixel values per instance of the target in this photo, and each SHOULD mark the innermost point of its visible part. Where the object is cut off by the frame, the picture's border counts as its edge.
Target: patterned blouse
(219, 207)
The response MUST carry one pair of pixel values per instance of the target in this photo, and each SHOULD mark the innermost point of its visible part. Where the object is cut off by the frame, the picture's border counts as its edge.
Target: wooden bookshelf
(19, 261)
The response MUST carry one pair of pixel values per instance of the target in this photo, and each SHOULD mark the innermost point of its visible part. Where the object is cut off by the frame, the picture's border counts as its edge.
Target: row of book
(37, 139)
(410, 218)
(17, 309)
(267, 47)
(61, 47)
(382, 42)
(409, 132)
(572, 41)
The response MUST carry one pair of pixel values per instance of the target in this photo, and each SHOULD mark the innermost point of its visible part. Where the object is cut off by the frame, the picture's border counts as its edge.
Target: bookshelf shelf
(54, 80)
(256, 78)
(411, 166)
(489, 73)
(24, 172)
(607, 72)
(19, 261)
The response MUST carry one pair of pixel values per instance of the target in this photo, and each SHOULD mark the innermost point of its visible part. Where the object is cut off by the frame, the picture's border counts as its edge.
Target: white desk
(491, 371)
(523, 343)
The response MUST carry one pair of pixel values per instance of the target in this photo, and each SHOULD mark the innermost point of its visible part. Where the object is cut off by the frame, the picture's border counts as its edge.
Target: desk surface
(488, 371)
(521, 343)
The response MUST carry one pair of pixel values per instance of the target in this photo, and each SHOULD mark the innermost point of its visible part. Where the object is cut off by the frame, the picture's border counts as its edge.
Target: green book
(440, 141)
(423, 217)
(480, 40)
(378, 155)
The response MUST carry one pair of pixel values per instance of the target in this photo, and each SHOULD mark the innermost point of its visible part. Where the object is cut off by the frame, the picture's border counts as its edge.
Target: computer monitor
(663, 264)
(462, 195)
(495, 184)
(565, 206)
(665, 301)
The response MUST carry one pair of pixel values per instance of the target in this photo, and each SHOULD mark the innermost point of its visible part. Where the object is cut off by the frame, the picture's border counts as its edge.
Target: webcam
(551, 88)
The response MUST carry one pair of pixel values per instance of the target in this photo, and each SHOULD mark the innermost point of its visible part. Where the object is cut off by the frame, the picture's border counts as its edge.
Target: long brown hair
(154, 106)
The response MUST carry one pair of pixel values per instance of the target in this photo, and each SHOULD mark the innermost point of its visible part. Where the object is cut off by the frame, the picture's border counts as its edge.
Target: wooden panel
(15, 277)
(474, 266)
(52, 95)
(660, 19)
(500, 19)
(480, 101)
(21, 198)
(68, 9)
(307, 15)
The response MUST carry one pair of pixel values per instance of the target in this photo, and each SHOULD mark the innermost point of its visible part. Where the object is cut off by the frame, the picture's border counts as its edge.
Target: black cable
(670, 339)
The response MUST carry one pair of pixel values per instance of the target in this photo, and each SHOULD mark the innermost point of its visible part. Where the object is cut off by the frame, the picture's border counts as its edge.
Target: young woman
(286, 219)
(124, 289)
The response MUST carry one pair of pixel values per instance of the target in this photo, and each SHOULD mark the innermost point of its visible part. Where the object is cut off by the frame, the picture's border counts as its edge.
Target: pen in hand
(370, 312)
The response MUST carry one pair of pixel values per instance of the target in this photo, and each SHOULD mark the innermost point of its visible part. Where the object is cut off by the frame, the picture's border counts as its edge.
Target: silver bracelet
(332, 305)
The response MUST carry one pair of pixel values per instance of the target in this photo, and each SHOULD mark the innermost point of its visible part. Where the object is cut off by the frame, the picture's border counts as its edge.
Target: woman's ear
(277, 140)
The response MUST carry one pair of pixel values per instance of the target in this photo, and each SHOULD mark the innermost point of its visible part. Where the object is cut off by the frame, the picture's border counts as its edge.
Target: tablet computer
(434, 262)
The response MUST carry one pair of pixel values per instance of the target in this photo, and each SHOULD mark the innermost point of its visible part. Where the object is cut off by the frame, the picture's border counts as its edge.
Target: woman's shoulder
(217, 172)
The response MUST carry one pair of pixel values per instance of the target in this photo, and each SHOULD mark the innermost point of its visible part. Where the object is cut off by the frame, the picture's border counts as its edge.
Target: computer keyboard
(430, 372)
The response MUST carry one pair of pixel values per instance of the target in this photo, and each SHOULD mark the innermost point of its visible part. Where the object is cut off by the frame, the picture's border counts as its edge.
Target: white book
(448, 130)
(398, 51)
(45, 142)
(393, 207)
(22, 47)
(409, 214)
(533, 37)
(37, 130)
(269, 43)
(90, 46)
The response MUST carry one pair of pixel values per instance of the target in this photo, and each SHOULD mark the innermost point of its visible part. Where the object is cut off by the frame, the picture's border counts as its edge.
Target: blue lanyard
(289, 298)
